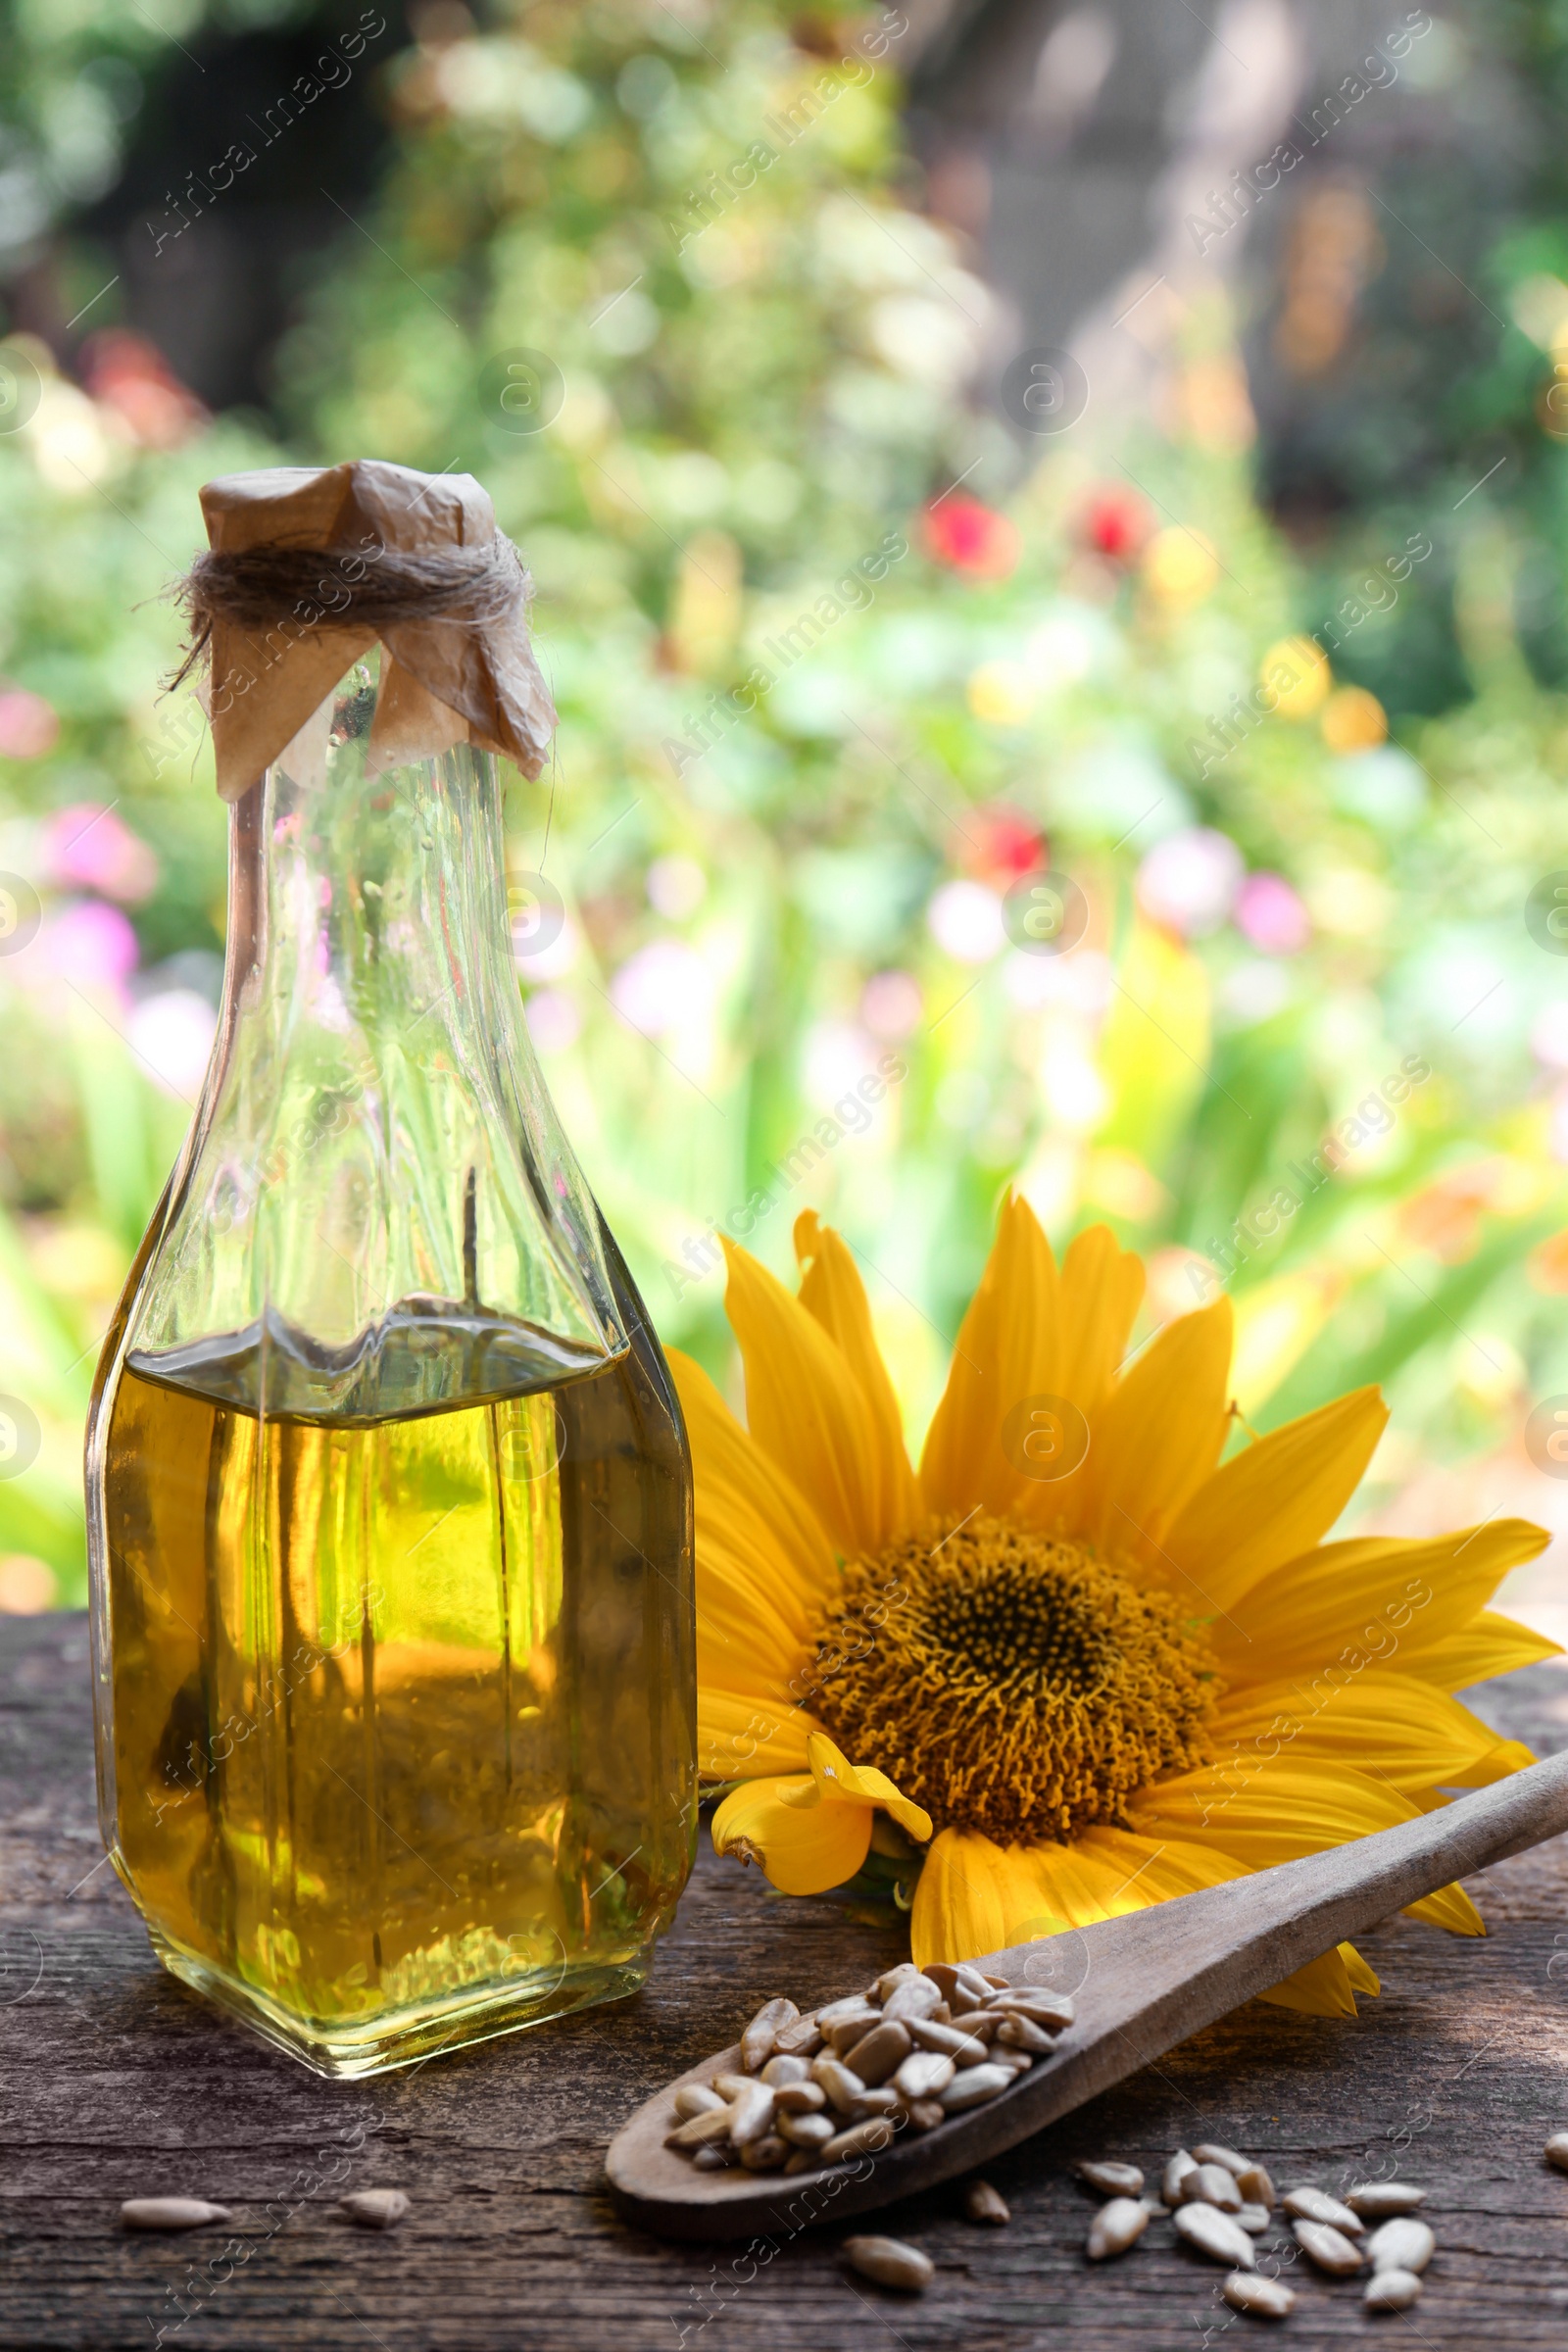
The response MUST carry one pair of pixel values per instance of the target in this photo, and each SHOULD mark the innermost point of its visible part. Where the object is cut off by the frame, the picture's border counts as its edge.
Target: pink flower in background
(965, 918)
(28, 727)
(87, 847)
(554, 1021)
(89, 946)
(1188, 882)
(171, 1036)
(891, 1004)
(663, 987)
(1268, 912)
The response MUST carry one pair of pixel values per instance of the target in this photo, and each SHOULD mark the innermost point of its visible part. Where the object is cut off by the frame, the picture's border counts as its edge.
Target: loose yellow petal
(804, 1850)
(1274, 1498)
(836, 1780)
(803, 1405)
(832, 1290)
(1160, 1433)
(1343, 1606)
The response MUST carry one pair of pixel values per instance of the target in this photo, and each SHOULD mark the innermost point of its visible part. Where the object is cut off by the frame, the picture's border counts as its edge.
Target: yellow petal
(1393, 1726)
(1489, 1645)
(804, 1849)
(803, 1405)
(1272, 1811)
(1452, 1908)
(754, 1504)
(1101, 1285)
(1365, 1602)
(1160, 1433)
(832, 1290)
(1324, 1987)
(958, 1903)
(1007, 1351)
(739, 1737)
(836, 1780)
(1275, 1498)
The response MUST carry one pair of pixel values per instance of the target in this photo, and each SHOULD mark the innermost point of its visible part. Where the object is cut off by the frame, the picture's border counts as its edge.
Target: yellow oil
(399, 1742)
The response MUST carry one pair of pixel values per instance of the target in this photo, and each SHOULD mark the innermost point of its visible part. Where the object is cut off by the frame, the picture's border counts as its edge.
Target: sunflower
(1079, 1663)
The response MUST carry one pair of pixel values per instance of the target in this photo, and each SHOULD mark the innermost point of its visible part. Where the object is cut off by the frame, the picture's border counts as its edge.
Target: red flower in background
(971, 538)
(130, 375)
(1115, 523)
(997, 844)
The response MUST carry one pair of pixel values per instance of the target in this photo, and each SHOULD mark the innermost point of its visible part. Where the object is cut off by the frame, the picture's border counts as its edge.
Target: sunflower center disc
(1010, 1682)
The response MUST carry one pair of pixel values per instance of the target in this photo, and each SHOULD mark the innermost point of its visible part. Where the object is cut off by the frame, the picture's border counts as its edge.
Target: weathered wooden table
(119, 2083)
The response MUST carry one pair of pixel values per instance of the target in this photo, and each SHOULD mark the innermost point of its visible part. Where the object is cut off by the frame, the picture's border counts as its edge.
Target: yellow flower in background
(1082, 1664)
(1180, 567)
(1296, 674)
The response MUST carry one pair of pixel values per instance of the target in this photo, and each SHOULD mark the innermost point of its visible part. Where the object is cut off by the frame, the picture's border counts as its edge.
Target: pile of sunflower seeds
(1220, 2202)
(916, 2046)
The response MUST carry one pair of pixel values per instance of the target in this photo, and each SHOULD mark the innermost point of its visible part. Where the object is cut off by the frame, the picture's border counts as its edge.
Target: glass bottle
(390, 1496)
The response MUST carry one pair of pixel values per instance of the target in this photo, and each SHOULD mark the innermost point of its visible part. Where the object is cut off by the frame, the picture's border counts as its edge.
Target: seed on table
(171, 2213)
(1266, 2298)
(983, 2203)
(842, 2087)
(1381, 2200)
(1328, 2247)
(1313, 2205)
(1211, 2184)
(1114, 2227)
(1255, 2218)
(860, 2139)
(916, 1996)
(1402, 2244)
(782, 2070)
(892, 1978)
(1392, 2290)
(1111, 2180)
(1020, 2033)
(1215, 2235)
(926, 2113)
(765, 2155)
(805, 2130)
(1557, 2150)
(1215, 2152)
(761, 2036)
(973, 2087)
(1257, 2188)
(700, 2131)
(374, 2208)
(879, 2053)
(697, 2098)
(891, 2263)
(964, 2049)
(1176, 2171)
(924, 2074)
(800, 2098)
(802, 2040)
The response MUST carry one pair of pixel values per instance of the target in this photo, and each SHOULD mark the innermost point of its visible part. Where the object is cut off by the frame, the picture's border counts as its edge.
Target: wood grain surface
(118, 2082)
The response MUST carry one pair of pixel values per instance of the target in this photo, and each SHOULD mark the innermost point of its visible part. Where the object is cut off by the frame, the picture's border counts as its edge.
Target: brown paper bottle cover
(445, 679)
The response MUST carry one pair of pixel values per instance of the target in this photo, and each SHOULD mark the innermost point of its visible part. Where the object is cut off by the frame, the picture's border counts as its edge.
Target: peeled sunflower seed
(1402, 2244)
(1381, 2200)
(781, 2070)
(891, 1979)
(1012, 2062)
(1211, 2184)
(802, 2040)
(1018, 2032)
(879, 2053)
(1257, 2188)
(1328, 2247)
(697, 2098)
(1392, 2290)
(374, 2208)
(800, 2098)
(845, 2032)
(926, 2113)
(983, 2203)
(964, 2049)
(1176, 2171)
(1215, 2152)
(973, 2087)
(860, 2139)
(1114, 2227)
(716, 2157)
(1111, 2180)
(751, 2113)
(924, 2076)
(842, 2087)
(767, 2154)
(1314, 2205)
(761, 2036)
(1053, 2010)
(891, 2263)
(916, 1996)
(1255, 2218)
(703, 2131)
(1215, 2235)
(853, 2004)
(1266, 2298)
(805, 2130)
(884, 2101)
(171, 2213)
(1557, 2150)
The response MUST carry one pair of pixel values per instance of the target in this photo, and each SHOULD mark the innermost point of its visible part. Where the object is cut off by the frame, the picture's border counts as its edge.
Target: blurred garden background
(966, 452)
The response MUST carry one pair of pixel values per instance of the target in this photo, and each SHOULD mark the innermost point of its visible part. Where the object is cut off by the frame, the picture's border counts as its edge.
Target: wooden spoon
(1142, 1983)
